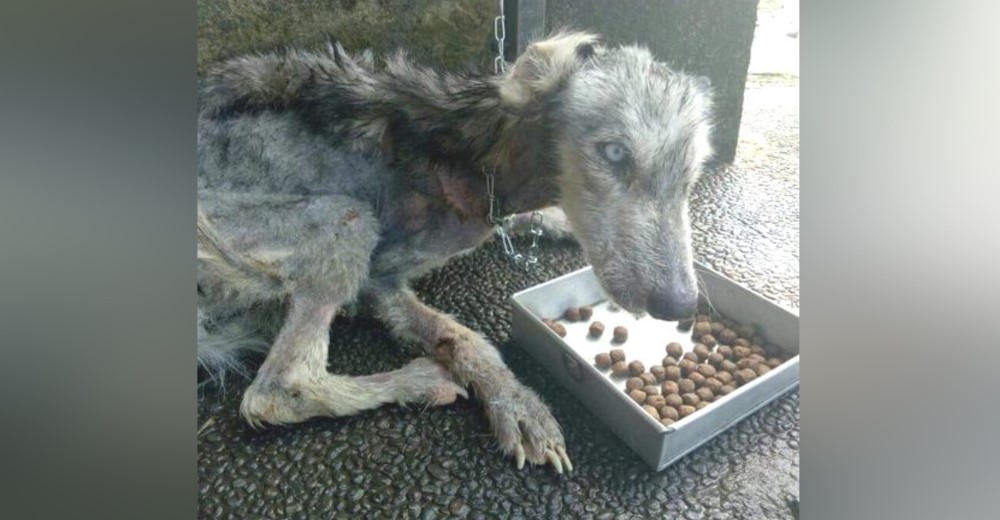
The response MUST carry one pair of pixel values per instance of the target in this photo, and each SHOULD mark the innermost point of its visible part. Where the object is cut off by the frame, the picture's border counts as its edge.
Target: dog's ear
(545, 64)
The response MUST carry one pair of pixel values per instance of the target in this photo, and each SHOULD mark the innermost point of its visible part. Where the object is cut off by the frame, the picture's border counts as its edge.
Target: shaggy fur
(324, 179)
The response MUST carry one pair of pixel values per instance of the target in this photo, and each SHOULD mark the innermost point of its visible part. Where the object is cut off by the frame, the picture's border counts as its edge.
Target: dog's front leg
(522, 424)
(554, 224)
(294, 385)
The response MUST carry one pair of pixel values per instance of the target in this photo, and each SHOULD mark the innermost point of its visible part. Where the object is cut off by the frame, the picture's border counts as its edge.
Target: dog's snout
(666, 305)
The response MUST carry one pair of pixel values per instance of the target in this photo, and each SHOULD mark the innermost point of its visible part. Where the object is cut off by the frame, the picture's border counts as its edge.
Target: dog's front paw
(525, 428)
(552, 221)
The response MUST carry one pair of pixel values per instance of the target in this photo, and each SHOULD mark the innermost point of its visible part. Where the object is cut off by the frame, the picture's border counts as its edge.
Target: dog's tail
(219, 349)
(219, 345)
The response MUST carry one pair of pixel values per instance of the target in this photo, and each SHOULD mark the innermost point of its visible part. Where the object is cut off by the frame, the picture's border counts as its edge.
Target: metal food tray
(571, 359)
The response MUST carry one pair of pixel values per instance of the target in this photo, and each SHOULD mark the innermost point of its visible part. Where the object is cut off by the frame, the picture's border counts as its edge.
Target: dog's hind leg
(522, 424)
(317, 250)
(293, 383)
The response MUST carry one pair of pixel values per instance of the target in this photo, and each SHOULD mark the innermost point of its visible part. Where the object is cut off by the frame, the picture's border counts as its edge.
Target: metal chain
(501, 225)
(500, 34)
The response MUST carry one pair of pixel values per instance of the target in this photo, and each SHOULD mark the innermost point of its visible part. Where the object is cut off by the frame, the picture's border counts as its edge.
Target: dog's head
(632, 136)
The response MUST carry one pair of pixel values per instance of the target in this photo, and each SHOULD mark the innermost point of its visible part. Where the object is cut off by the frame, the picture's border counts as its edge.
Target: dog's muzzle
(672, 305)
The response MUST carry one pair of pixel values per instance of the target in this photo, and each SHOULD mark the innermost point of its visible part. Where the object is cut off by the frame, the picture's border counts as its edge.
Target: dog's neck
(525, 164)
(472, 133)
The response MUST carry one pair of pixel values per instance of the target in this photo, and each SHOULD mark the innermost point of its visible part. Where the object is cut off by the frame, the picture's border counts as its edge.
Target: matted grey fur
(325, 179)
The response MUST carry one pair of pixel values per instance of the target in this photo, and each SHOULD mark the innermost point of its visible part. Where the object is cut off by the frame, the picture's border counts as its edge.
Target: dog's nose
(664, 306)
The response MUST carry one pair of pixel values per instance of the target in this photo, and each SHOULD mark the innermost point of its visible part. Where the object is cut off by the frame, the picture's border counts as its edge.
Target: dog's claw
(552, 458)
(565, 458)
(519, 456)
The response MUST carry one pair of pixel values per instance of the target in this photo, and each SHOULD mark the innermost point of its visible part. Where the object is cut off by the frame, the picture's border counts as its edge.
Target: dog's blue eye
(615, 153)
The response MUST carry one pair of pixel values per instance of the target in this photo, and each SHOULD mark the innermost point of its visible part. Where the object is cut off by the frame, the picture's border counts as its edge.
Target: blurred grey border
(898, 276)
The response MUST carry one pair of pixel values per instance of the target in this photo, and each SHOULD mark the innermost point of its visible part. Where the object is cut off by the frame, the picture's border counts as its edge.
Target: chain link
(500, 34)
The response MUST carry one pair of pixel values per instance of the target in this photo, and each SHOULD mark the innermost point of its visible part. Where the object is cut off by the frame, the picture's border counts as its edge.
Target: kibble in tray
(710, 372)
(687, 374)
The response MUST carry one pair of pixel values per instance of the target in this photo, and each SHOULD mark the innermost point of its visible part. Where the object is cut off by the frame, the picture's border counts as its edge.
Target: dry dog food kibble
(669, 361)
(708, 340)
(728, 366)
(586, 312)
(638, 396)
(744, 376)
(656, 401)
(617, 355)
(675, 350)
(713, 384)
(636, 368)
(701, 351)
(687, 366)
(701, 328)
(596, 329)
(724, 377)
(669, 412)
(727, 336)
(572, 314)
(686, 386)
(620, 334)
(701, 405)
(672, 373)
(740, 353)
(666, 421)
(685, 410)
(692, 356)
(669, 387)
(725, 350)
(706, 370)
(619, 369)
(559, 329)
(747, 363)
(633, 383)
(602, 360)
(651, 390)
(746, 331)
(762, 369)
(697, 379)
(705, 394)
(741, 342)
(658, 372)
(648, 379)
(773, 362)
(673, 400)
(716, 327)
(652, 411)
(726, 389)
(715, 358)
(556, 327)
